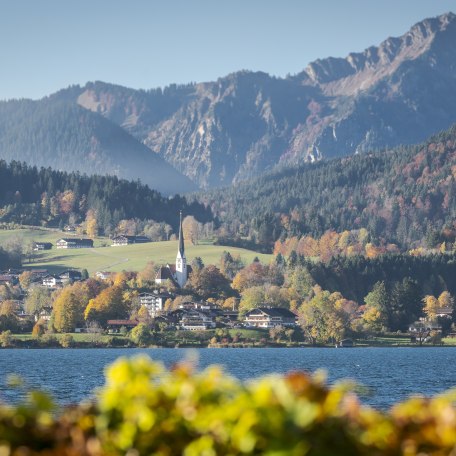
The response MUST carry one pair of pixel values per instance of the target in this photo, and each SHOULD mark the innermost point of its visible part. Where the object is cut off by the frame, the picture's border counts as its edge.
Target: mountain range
(218, 133)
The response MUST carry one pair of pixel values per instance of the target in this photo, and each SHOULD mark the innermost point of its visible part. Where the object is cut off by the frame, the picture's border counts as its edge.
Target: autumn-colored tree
(209, 282)
(377, 312)
(25, 279)
(66, 201)
(256, 274)
(309, 247)
(329, 245)
(231, 303)
(8, 318)
(322, 320)
(39, 328)
(107, 305)
(190, 228)
(143, 315)
(431, 306)
(252, 298)
(446, 300)
(141, 335)
(91, 224)
(301, 283)
(37, 298)
(146, 277)
(67, 311)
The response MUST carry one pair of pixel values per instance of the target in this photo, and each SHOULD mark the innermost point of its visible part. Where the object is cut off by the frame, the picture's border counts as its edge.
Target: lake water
(391, 374)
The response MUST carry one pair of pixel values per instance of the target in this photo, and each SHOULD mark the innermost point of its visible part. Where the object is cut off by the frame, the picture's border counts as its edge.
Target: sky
(47, 45)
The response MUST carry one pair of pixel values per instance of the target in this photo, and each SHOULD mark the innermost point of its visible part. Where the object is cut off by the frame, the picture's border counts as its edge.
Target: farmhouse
(126, 240)
(194, 320)
(52, 281)
(74, 243)
(42, 246)
(268, 317)
(70, 276)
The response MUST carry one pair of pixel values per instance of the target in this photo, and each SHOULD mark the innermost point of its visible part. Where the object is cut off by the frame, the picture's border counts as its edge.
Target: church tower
(181, 261)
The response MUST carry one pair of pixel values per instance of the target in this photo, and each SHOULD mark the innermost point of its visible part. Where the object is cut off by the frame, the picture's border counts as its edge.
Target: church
(178, 273)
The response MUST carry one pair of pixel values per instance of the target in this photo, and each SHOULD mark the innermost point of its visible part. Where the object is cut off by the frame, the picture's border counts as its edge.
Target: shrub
(66, 341)
(6, 339)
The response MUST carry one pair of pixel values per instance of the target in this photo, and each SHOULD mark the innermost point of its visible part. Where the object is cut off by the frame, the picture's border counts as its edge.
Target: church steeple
(181, 261)
(181, 238)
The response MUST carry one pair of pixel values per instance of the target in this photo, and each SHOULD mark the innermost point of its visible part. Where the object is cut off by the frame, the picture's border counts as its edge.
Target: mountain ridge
(222, 132)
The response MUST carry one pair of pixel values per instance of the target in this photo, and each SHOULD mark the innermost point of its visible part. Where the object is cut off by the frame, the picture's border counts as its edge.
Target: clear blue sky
(46, 45)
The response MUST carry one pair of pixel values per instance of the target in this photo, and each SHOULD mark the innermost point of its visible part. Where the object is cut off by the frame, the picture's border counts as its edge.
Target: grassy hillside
(132, 257)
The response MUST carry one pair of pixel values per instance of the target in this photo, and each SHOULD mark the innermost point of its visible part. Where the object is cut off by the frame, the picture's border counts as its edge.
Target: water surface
(391, 374)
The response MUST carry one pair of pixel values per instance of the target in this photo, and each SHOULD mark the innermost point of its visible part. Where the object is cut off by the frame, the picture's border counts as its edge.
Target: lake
(391, 374)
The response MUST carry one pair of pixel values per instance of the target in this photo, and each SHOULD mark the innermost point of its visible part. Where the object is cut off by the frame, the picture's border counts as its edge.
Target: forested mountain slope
(399, 195)
(64, 136)
(47, 197)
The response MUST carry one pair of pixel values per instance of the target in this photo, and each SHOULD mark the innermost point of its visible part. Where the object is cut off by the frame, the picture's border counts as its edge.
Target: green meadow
(103, 257)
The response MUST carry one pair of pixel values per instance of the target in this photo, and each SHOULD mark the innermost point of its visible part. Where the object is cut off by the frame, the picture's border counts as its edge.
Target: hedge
(146, 409)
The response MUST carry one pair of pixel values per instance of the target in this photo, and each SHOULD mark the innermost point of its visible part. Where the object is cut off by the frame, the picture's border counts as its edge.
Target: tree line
(47, 197)
(403, 196)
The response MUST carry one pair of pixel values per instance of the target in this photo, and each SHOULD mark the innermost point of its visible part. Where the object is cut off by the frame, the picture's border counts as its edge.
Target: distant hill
(64, 136)
(405, 195)
(46, 197)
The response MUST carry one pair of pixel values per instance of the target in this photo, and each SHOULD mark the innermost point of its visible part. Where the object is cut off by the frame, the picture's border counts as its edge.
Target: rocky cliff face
(240, 125)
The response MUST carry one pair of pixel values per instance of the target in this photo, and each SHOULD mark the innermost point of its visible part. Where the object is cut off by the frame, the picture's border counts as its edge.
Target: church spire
(181, 237)
(181, 261)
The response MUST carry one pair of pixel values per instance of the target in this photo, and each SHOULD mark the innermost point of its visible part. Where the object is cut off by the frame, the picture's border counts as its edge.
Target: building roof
(76, 240)
(122, 322)
(273, 312)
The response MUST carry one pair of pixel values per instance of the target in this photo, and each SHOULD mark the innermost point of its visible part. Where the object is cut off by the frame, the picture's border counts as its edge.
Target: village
(159, 303)
(150, 305)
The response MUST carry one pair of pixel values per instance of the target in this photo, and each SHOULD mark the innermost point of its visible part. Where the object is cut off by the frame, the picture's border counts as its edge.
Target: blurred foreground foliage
(146, 409)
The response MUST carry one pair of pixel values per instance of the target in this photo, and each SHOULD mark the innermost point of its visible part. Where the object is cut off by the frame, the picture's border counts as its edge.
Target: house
(70, 276)
(268, 317)
(70, 243)
(8, 279)
(104, 275)
(42, 246)
(126, 240)
(44, 314)
(178, 273)
(69, 228)
(52, 281)
(194, 320)
(446, 312)
(154, 302)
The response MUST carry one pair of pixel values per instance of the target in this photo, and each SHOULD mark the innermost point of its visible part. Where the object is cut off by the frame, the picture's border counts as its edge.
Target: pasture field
(103, 257)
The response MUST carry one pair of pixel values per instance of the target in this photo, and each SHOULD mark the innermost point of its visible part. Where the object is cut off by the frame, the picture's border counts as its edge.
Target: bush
(6, 339)
(66, 341)
(145, 409)
(141, 335)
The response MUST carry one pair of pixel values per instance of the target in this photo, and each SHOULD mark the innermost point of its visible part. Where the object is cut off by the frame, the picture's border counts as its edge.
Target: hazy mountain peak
(342, 75)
